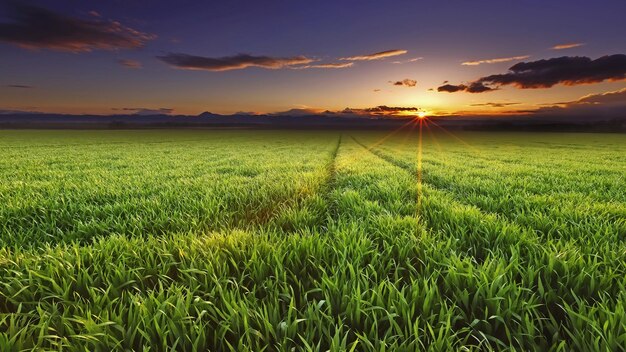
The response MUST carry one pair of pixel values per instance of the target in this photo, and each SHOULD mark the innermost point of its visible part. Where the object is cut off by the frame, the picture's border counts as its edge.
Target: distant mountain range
(325, 120)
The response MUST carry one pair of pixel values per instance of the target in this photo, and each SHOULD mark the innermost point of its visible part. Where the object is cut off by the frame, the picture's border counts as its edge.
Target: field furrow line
(482, 236)
(323, 217)
(554, 181)
(438, 189)
(444, 203)
(569, 227)
(331, 205)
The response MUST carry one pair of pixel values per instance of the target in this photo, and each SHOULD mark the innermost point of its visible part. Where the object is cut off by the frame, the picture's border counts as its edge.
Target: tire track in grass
(259, 215)
(524, 249)
(268, 292)
(545, 232)
(473, 250)
(565, 220)
(179, 265)
(499, 164)
(324, 207)
(331, 183)
(503, 232)
(448, 194)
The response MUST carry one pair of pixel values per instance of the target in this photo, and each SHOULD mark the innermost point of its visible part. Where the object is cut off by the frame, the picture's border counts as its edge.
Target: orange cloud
(495, 105)
(566, 46)
(375, 56)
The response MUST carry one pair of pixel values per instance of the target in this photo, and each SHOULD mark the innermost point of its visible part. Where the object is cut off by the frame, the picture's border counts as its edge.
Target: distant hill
(326, 120)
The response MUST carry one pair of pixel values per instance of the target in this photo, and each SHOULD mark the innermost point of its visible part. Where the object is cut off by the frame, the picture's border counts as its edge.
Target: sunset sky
(185, 57)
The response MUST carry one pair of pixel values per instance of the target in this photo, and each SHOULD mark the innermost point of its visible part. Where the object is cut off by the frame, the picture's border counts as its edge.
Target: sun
(421, 115)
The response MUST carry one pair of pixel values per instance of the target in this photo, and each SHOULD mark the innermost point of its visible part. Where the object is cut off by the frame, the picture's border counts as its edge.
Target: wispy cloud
(330, 65)
(19, 86)
(495, 61)
(415, 59)
(334, 65)
(35, 27)
(375, 56)
(495, 105)
(405, 82)
(146, 111)
(17, 111)
(566, 46)
(566, 70)
(130, 63)
(236, 62)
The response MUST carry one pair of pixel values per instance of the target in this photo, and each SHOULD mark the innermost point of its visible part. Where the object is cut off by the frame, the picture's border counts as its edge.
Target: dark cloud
(375, 56)
(385, 108)
(146, 111)
(406, 82)
(130, 63)
(35, 27)
(478, 87)
(379, 111)
(20, 86)
(237, 62)
(451, 88)
(566, 70)
(474, 87)
(495, 105)
(382, 110)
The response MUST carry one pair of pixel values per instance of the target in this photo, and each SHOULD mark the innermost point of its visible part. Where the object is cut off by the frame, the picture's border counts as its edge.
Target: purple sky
(269, 56)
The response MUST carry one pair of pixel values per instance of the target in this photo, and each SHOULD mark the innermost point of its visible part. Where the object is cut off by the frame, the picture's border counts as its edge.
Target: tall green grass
(312, 241)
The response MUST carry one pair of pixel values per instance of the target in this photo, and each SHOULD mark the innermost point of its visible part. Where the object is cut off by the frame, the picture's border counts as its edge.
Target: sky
(186, 57)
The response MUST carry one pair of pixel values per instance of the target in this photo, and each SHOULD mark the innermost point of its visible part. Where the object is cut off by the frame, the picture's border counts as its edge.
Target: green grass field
(293, 241)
